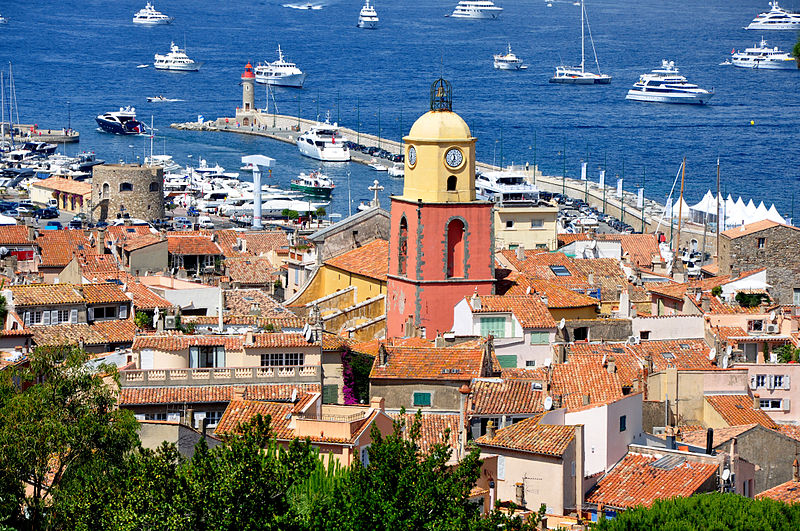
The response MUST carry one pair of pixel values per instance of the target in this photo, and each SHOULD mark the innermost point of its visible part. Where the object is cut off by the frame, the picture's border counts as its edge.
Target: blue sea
(75, 59)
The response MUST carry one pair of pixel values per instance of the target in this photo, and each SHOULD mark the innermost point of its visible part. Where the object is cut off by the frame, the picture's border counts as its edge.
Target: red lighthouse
(441, 243)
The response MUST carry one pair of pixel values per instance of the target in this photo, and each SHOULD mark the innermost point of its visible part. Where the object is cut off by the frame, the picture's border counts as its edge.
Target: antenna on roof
(548, 403)
(712, 354)
(725, 360)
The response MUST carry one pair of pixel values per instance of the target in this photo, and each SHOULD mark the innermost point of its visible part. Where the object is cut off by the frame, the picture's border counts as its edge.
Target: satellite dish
(308, 334)
(562, 323)
(548, 362)
(728, 350)
(712, 354)
(528, 290)
(772, 315)
(604, 359)
(294, 395)
(725, 360)
(726, 475)
(306, 328)
(548, 403)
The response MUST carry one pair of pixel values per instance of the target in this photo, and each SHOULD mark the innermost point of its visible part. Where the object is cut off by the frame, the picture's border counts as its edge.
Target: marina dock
(32, 132)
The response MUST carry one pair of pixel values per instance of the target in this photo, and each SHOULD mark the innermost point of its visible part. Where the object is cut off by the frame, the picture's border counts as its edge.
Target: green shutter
(495, 326)
(540, 338)
(507, 361)
(422, 399)
(330, 394)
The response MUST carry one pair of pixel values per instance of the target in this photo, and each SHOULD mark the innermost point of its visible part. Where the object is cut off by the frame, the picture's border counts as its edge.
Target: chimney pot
(521, 253)
(586, 400)
(612, 365)
(490, 430)
(238, 392)
(709, 441)
(795, 471)
(377, 402)
(756, 402)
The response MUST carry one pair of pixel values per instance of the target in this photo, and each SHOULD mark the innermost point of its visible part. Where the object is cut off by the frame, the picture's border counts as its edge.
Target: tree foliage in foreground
(708, 512)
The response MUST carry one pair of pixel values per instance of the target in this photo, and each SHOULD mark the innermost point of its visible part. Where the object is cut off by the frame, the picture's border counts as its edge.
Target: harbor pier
(34, 133)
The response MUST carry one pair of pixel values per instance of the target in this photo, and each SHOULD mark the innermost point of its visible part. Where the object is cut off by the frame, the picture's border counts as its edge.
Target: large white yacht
(763, 57)
(324, 142)
(368, 18)
(176, 59)
(149, 16)
(666, 85)
(578, 75)
(476, 9)
(506, 186)
(508, 61)
(776, 18)
(280, 73)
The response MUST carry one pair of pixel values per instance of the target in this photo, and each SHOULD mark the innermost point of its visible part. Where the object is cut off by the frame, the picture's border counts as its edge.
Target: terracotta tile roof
(97, 263)
(530, 436)
(241, 411)
(61, 184)
(751, 228)
(738, 409)
(639, 248)
(278, 323)
(100, 333)
(572, 381)
(59, 247)
(432, 429)
(370, 260)
(131, 396)
(103, 293)
(788, 492)
(410, 363)
(682, 354)
(558, 297)
(144, 299)
(141, 242)
(254, 301)
(720, 307)
(335, 342)
(116, 330)
(46, 294)
(262, 243)
(677, 290)
(633, 481)
(790, 430)
(725, 333)
(505, 396)
(278, 340)
(251, 270)
(15, 235)
(721, 435)
(529, 310)
(628, 366)
(607, 275)
(175, 342)
(191, 244)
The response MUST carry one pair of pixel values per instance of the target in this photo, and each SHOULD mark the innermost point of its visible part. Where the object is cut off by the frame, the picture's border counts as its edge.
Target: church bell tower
(441, 244)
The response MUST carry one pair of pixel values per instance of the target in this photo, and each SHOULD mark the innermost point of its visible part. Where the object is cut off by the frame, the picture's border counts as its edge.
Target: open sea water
(75, 59)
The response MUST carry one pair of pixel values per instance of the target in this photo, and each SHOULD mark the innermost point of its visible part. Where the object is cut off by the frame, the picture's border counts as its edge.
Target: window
(365, 455)
(283, 359)
(761, 380)
(206, 357)
(581, 333)
(761, 243)
(507, 361)
(540, 338)
(560, 271)
(777, 381)
(510, 224)
(125, 187)
(213, 417)
(623, 423)
(796, 296)
(755, 326)
(104, 312)
(155, 186)
(644, 334)
(402, 247)
(537, 223)
(455, 248)
(452, 181)
(530, 363)
(496, 326)
(62, 316)
(36, 317)
(106, 191)
(155, 416)
(422, 399)
(330, 394)
(769, 403)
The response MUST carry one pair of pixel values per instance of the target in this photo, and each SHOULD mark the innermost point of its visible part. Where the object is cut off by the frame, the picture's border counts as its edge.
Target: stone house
(51, 304)
(21, 246)
(350, 233)
(195, 252)
(765, 242)
(72, 196)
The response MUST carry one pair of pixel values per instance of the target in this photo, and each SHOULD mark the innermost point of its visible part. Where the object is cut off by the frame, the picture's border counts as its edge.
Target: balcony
(220, 376)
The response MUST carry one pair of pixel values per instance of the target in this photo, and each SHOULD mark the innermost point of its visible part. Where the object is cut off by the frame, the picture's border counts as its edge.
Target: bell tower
(248, 92)
(441, 242)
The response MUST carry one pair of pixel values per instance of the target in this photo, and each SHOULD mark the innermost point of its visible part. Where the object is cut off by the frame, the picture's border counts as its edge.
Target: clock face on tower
(454, 157)
(412, 156)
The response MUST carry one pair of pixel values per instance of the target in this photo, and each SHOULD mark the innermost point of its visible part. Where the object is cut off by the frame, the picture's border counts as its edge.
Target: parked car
(53, 225)
(47, 213)
(75, 224)
(21, 211)
(204, 222)
(101, 224)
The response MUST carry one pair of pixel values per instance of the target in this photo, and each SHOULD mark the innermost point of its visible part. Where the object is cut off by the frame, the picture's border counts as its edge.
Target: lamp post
(534, 156)
(564, 169)
(644, 176)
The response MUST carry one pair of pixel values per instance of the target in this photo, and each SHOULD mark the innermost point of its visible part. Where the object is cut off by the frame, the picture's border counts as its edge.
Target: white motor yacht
(666, 85)
(776, 18)
(368, 17)
(176, 60)
(763, 57)
(508, 61)
(504, 187)
(578, 75)
(324, 142)
(280, 73)
(149, 16)
(476, 9)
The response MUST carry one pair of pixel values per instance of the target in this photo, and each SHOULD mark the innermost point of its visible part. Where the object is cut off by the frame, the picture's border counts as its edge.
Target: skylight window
(560, 271)
(668, 355)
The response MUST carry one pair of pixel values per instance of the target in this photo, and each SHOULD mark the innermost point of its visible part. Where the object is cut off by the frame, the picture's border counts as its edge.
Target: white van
(204, 222)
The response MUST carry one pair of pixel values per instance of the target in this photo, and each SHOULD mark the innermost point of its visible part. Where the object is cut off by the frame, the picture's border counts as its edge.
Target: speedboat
(368, 18)
(160, 99)
(476, 9)
(121, 122)
(150, 17)
(505, 186)
(176, 60)
(666, 85)
(3, 20)
(314, 184)
(578, 75)
(508, 61)
(763, 57)
(280, 73)
(324, 142)
(776, 18)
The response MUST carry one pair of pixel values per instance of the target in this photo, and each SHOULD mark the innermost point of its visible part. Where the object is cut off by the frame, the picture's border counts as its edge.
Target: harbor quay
(32, 132)
(651, 218)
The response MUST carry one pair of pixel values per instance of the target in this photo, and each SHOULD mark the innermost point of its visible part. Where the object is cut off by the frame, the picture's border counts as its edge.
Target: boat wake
(305, 6)
(142, 66)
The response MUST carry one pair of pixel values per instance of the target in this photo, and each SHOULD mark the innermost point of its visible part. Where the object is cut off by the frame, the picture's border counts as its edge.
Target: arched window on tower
(451, 183)
(106, 191)
(402, 247)
(455, 249)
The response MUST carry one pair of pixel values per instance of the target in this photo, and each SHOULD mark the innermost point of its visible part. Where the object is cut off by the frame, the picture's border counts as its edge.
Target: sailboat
(578, 75)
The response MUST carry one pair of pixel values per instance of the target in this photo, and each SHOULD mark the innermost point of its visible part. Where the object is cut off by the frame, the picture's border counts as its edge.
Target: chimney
(490, 430)
(520, 494)
(100, 241)
(612, 365)
(221, 304)
(383, 355)
(709, 441)
(464, 391)
(545, 300)
(475, 300)
(591, 279)
(190, 417)
(521, 253)
(705, 304)
(756, 401)
(249, 338)
(670, 433)
(795, 471)
(439, 341)
(377, 402)
(238, 392)
(586, 399)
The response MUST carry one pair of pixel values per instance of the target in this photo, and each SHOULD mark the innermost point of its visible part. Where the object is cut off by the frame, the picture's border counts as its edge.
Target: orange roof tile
(254, 301)
(46, 294)
(250, 270)
(727, 333)
(15, 235)
(751, 228)
(61, 184)
(241, 411)
(634, 481)
(144, 298)
(409, 363)
(639, 248)
(100, 333)
(278, 340)
(59, 247)
(506, 396)
(191, 244)
(530, 436)
(130, 396)
(432, 429)
(370, 260)
(681, 354)
(788, 492)
(558, 297)
(721, 435)
(103, 293)
(529, 310)
(738, 409)
(175, 342)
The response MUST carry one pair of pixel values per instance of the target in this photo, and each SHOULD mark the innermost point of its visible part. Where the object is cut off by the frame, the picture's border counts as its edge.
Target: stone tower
(133, 189)
(248, 89)
(441, 240)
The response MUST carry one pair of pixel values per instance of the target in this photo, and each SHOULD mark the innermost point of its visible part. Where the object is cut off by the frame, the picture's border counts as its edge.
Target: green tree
(716, 291)
(787, 353)
(796, 50)
(142, 320)
(750, 300)
(56, 415)
(321, 212)
(290, 214)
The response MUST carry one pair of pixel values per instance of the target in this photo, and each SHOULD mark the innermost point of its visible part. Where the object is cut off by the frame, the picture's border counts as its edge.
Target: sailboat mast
(582, 37)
